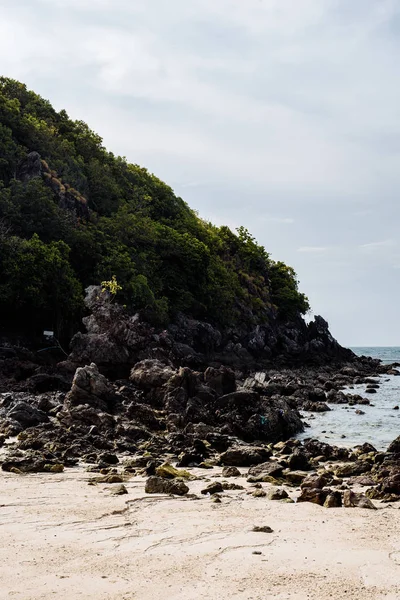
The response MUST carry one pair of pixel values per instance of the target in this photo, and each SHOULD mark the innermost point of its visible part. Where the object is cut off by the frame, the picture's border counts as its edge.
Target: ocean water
(379, 425)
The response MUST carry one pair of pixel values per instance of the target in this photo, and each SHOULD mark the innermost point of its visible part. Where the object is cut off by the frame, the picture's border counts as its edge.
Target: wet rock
(315, 406)
(158, 485)
(353, 500)
(395, 446)
(221, 380)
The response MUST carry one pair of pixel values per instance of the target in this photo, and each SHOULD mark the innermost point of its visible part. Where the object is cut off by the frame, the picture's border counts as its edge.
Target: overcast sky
(279, 115)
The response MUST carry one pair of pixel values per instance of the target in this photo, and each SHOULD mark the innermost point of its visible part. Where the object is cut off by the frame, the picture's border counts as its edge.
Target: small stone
(259, 494)
(262, 529)
(119, 490)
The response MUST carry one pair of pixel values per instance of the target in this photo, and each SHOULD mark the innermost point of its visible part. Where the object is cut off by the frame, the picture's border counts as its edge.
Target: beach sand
(62, 538)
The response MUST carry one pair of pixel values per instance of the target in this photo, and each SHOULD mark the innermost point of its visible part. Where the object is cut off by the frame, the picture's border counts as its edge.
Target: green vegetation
(77, 215)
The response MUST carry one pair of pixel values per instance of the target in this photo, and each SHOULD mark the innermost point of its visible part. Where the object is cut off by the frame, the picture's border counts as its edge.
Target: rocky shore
(165, 416)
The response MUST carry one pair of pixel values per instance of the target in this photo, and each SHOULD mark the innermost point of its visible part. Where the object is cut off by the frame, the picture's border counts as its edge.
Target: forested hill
(73, 214)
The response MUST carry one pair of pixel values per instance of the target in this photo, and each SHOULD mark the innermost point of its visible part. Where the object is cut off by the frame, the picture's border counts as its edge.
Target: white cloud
(263, 112)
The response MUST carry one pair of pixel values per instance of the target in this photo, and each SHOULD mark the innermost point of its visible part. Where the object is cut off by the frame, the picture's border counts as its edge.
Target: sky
(279, 115)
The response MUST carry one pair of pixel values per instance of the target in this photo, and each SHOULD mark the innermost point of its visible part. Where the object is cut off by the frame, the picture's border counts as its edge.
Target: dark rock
(353, 500)
(314, 495)
(108, 458)
(230, 472)
(149, 374)
(90, 387)
(244, 456)
(395, 446)
(213, 488)
(298, 461)
(262, 529)
(277, 494)
(158, 485)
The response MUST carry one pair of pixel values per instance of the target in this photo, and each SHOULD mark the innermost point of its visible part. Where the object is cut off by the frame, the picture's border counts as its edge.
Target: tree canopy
(74, 214)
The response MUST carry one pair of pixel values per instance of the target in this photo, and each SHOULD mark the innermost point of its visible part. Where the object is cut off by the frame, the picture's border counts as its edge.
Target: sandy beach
(62, 538)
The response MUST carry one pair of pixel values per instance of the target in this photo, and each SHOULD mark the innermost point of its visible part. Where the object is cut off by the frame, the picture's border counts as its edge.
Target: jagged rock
(395, 446)
(244, 456)
(26, 414)
(90, 387)
(149, 374)
(30, 167)
(221, 380)
(352, 499)
(333, 500)
(158, 485)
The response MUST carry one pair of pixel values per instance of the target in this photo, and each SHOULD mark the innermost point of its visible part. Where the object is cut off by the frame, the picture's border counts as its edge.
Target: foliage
(90, 216)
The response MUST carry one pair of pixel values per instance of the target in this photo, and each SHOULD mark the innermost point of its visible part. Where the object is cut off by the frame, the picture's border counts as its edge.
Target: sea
(380, 423)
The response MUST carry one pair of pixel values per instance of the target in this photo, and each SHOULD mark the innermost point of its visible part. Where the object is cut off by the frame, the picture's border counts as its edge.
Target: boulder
(277, 494)
(231, 472)
(244, 456)
(167, 471)
(266, 469)
(298, 461)
(395, 446)
(92, 388)
(158, 485)
(213, 488)
(314, 495)
(149, 374)
(353, 500)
